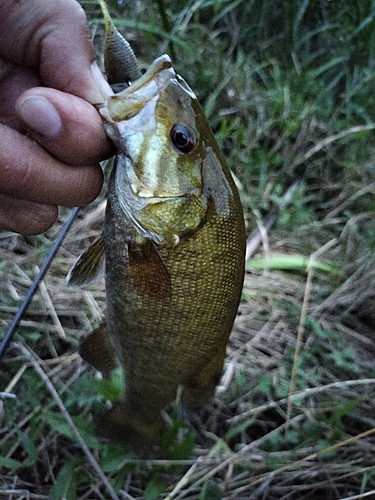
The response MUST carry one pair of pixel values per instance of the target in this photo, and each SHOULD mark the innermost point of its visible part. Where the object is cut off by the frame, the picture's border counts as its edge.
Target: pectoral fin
(88, 265)
(149, 272)
(97, 350)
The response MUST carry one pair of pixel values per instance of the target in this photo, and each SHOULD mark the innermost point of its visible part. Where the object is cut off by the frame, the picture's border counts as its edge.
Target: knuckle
(90, 182)
(16, 180)
(41, 219)
(25, 217)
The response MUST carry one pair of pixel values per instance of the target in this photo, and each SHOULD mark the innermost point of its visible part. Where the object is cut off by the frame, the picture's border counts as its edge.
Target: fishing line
(26, 301)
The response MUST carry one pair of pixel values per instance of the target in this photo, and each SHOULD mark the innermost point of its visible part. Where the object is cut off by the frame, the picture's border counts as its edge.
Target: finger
(70, 128)
(28, 172)
(14, 80)
(26, 217)
(53, 37)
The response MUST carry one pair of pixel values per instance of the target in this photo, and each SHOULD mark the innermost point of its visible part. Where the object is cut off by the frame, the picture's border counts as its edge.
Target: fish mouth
(130, 101)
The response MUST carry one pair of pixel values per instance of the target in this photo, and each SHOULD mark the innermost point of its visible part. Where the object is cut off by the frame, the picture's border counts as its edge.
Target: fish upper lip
(130, 101)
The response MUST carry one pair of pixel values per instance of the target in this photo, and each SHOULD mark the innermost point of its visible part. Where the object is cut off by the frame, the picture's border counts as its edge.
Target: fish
(174, 247)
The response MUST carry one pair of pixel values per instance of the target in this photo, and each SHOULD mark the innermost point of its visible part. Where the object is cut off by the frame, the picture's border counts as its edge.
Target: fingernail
(40, 115)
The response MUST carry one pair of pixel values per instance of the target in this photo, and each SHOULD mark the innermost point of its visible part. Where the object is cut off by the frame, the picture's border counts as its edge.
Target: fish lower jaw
(148, 193)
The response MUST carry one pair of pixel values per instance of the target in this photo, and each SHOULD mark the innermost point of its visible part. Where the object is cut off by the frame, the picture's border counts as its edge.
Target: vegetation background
(288, 87)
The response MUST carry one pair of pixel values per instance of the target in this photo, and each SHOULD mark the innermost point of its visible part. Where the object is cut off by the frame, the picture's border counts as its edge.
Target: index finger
(53, 37)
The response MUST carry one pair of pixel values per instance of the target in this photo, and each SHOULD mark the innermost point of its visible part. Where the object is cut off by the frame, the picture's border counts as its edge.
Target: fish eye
(182, 138)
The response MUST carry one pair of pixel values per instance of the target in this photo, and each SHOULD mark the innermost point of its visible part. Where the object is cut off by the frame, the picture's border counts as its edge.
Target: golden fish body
(174, 244)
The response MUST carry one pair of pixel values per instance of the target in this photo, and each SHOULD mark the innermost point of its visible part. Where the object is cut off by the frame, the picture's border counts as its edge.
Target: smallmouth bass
(174, 246)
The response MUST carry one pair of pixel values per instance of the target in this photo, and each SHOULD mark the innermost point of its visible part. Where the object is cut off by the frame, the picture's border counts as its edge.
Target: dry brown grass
(257, 439)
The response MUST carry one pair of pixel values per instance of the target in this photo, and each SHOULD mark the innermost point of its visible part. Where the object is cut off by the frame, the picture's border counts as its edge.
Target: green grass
(288, 87)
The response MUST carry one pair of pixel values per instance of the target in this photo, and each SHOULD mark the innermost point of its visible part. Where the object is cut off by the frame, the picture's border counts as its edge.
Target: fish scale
(174, 246)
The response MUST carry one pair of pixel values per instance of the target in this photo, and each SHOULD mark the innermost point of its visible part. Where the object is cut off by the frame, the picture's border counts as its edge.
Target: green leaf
(344, 409)
(58, 422)
(210, 491)
(120, 477)
(240, 381)
(110, 389)
(322, 445)
(31, 335)
(10, 463)
(170, 436)
(265, 384)
(295, 262)
(29, 447)
(183, 450)
(282, 390)
(113, 457)
(65, 486)
(154, 489)
(238, 429)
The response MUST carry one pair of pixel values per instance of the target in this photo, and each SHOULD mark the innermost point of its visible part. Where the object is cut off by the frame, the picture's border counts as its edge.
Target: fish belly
(178, 339)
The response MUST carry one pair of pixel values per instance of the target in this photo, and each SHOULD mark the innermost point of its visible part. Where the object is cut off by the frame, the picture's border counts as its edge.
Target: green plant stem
(166, 25)
(301, 328)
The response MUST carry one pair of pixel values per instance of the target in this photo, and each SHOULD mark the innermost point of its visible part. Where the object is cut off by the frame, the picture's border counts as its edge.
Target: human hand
(51, 137)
